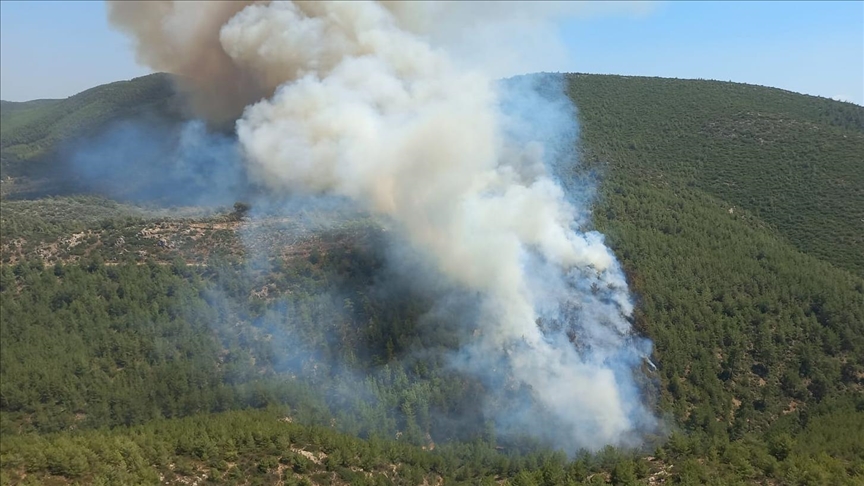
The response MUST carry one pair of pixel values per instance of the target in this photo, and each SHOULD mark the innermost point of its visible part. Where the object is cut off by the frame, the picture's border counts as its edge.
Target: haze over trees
(144, 345)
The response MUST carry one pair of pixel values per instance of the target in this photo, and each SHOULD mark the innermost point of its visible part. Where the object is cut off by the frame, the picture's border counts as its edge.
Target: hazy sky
(56, 49)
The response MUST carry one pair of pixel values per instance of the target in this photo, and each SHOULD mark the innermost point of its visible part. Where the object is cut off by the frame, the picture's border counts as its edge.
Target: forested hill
(7, 108)
(144, 346)
(29, 131)
(793, 161)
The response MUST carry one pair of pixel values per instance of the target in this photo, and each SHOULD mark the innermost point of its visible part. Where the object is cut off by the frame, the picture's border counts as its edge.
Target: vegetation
(34, 128)
(266, 447)
(793, 161)
(196, 361)
(33, 134)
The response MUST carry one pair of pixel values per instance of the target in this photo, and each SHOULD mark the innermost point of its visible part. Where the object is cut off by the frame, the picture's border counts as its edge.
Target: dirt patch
(316, 458)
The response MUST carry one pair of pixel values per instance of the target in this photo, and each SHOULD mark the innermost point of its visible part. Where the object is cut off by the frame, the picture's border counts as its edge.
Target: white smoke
(353, 99)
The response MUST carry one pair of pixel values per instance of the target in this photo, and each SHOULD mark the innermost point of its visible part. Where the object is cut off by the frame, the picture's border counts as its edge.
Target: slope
(16, 113)
(794, 161)
(759, 338)
(32, 130)
(757, 310)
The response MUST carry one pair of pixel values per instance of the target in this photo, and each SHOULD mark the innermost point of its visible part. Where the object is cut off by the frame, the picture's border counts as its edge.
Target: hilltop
(33, 134)
(737, 212)
(33, 127)
(793, 160)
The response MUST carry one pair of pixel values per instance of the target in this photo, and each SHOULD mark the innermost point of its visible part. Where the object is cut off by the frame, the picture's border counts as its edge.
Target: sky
(56, 49)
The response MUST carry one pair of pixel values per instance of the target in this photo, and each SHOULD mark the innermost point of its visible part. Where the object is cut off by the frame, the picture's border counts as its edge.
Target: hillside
(145, 344)
(23, 111)
(32, 133)
(793, 161)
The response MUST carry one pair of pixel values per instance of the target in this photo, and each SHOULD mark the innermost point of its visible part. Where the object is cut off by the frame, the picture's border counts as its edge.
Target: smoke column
(354, 99)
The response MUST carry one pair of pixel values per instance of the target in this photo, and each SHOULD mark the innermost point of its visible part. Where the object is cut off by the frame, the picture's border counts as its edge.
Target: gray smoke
(149, 160)
(356, 100)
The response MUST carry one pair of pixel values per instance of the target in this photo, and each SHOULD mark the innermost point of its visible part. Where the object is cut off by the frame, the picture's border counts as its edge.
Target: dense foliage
(34, 128)
(266, 447)
(793, 161)
(210, 360)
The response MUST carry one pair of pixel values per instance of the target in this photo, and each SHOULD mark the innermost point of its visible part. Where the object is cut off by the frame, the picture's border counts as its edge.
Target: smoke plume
(149, 160)
(358, 100)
